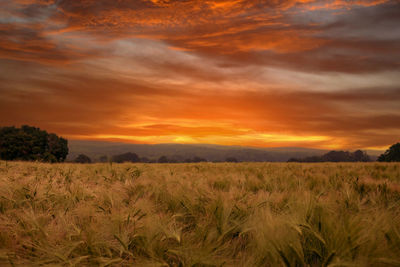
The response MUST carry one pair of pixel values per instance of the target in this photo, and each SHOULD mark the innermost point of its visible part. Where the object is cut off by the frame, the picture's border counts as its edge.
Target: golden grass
(206, 214)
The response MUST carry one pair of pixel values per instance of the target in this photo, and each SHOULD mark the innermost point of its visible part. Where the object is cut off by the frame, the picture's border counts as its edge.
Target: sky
(310, 73)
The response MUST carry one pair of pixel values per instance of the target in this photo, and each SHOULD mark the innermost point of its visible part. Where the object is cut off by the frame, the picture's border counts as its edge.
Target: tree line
(391, 155)
(133, 157)
(33, 144)
(336, 156)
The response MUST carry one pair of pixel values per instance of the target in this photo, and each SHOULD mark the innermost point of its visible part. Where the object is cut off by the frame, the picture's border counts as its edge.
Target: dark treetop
(30, 143)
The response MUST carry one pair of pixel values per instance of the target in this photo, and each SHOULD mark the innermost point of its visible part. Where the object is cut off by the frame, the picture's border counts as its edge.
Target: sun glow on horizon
(261, 140)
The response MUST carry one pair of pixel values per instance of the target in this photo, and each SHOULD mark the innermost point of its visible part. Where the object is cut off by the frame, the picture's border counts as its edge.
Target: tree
(359, 155)
(57, 146)
(82, 158)
(30, 143)
(392, 154)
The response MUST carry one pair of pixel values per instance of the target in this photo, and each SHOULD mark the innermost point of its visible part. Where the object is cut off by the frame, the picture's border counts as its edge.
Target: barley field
(206, 214)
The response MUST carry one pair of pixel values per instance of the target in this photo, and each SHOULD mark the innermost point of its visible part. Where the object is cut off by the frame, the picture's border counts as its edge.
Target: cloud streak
(231, 72)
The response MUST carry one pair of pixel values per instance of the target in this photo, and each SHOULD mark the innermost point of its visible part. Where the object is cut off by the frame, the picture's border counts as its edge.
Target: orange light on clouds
(308, 73)
(247, 139)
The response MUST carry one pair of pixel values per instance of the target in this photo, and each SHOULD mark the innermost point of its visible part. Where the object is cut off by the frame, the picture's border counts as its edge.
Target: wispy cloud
(232, 72)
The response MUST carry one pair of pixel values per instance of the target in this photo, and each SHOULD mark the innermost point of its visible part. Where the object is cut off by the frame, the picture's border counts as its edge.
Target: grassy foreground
(246, 214)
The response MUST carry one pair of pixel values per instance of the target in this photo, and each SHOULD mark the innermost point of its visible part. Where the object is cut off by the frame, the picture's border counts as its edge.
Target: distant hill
(96, 149)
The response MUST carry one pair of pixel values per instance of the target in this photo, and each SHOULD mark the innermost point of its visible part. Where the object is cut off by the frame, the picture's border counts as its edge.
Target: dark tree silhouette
(198, 159)
(163, 159)
(336, 156)
(126, 157)
(231, 159)
(30, 143)
(359, 155)
(392, 154)
(195, 160)
(82, 158)
(58, 147)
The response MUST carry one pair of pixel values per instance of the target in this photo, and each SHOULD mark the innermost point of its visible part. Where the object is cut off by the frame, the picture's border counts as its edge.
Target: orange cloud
(279, 33)
(265, 73)
(93, 107)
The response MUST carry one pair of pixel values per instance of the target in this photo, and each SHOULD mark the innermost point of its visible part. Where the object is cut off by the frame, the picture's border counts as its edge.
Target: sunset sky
(322, 74)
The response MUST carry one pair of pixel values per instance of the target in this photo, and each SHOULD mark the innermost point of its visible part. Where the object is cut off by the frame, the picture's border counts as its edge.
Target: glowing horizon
(309, 73)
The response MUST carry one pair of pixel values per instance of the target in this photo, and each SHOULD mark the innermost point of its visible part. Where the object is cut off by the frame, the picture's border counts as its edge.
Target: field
(207, 214)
